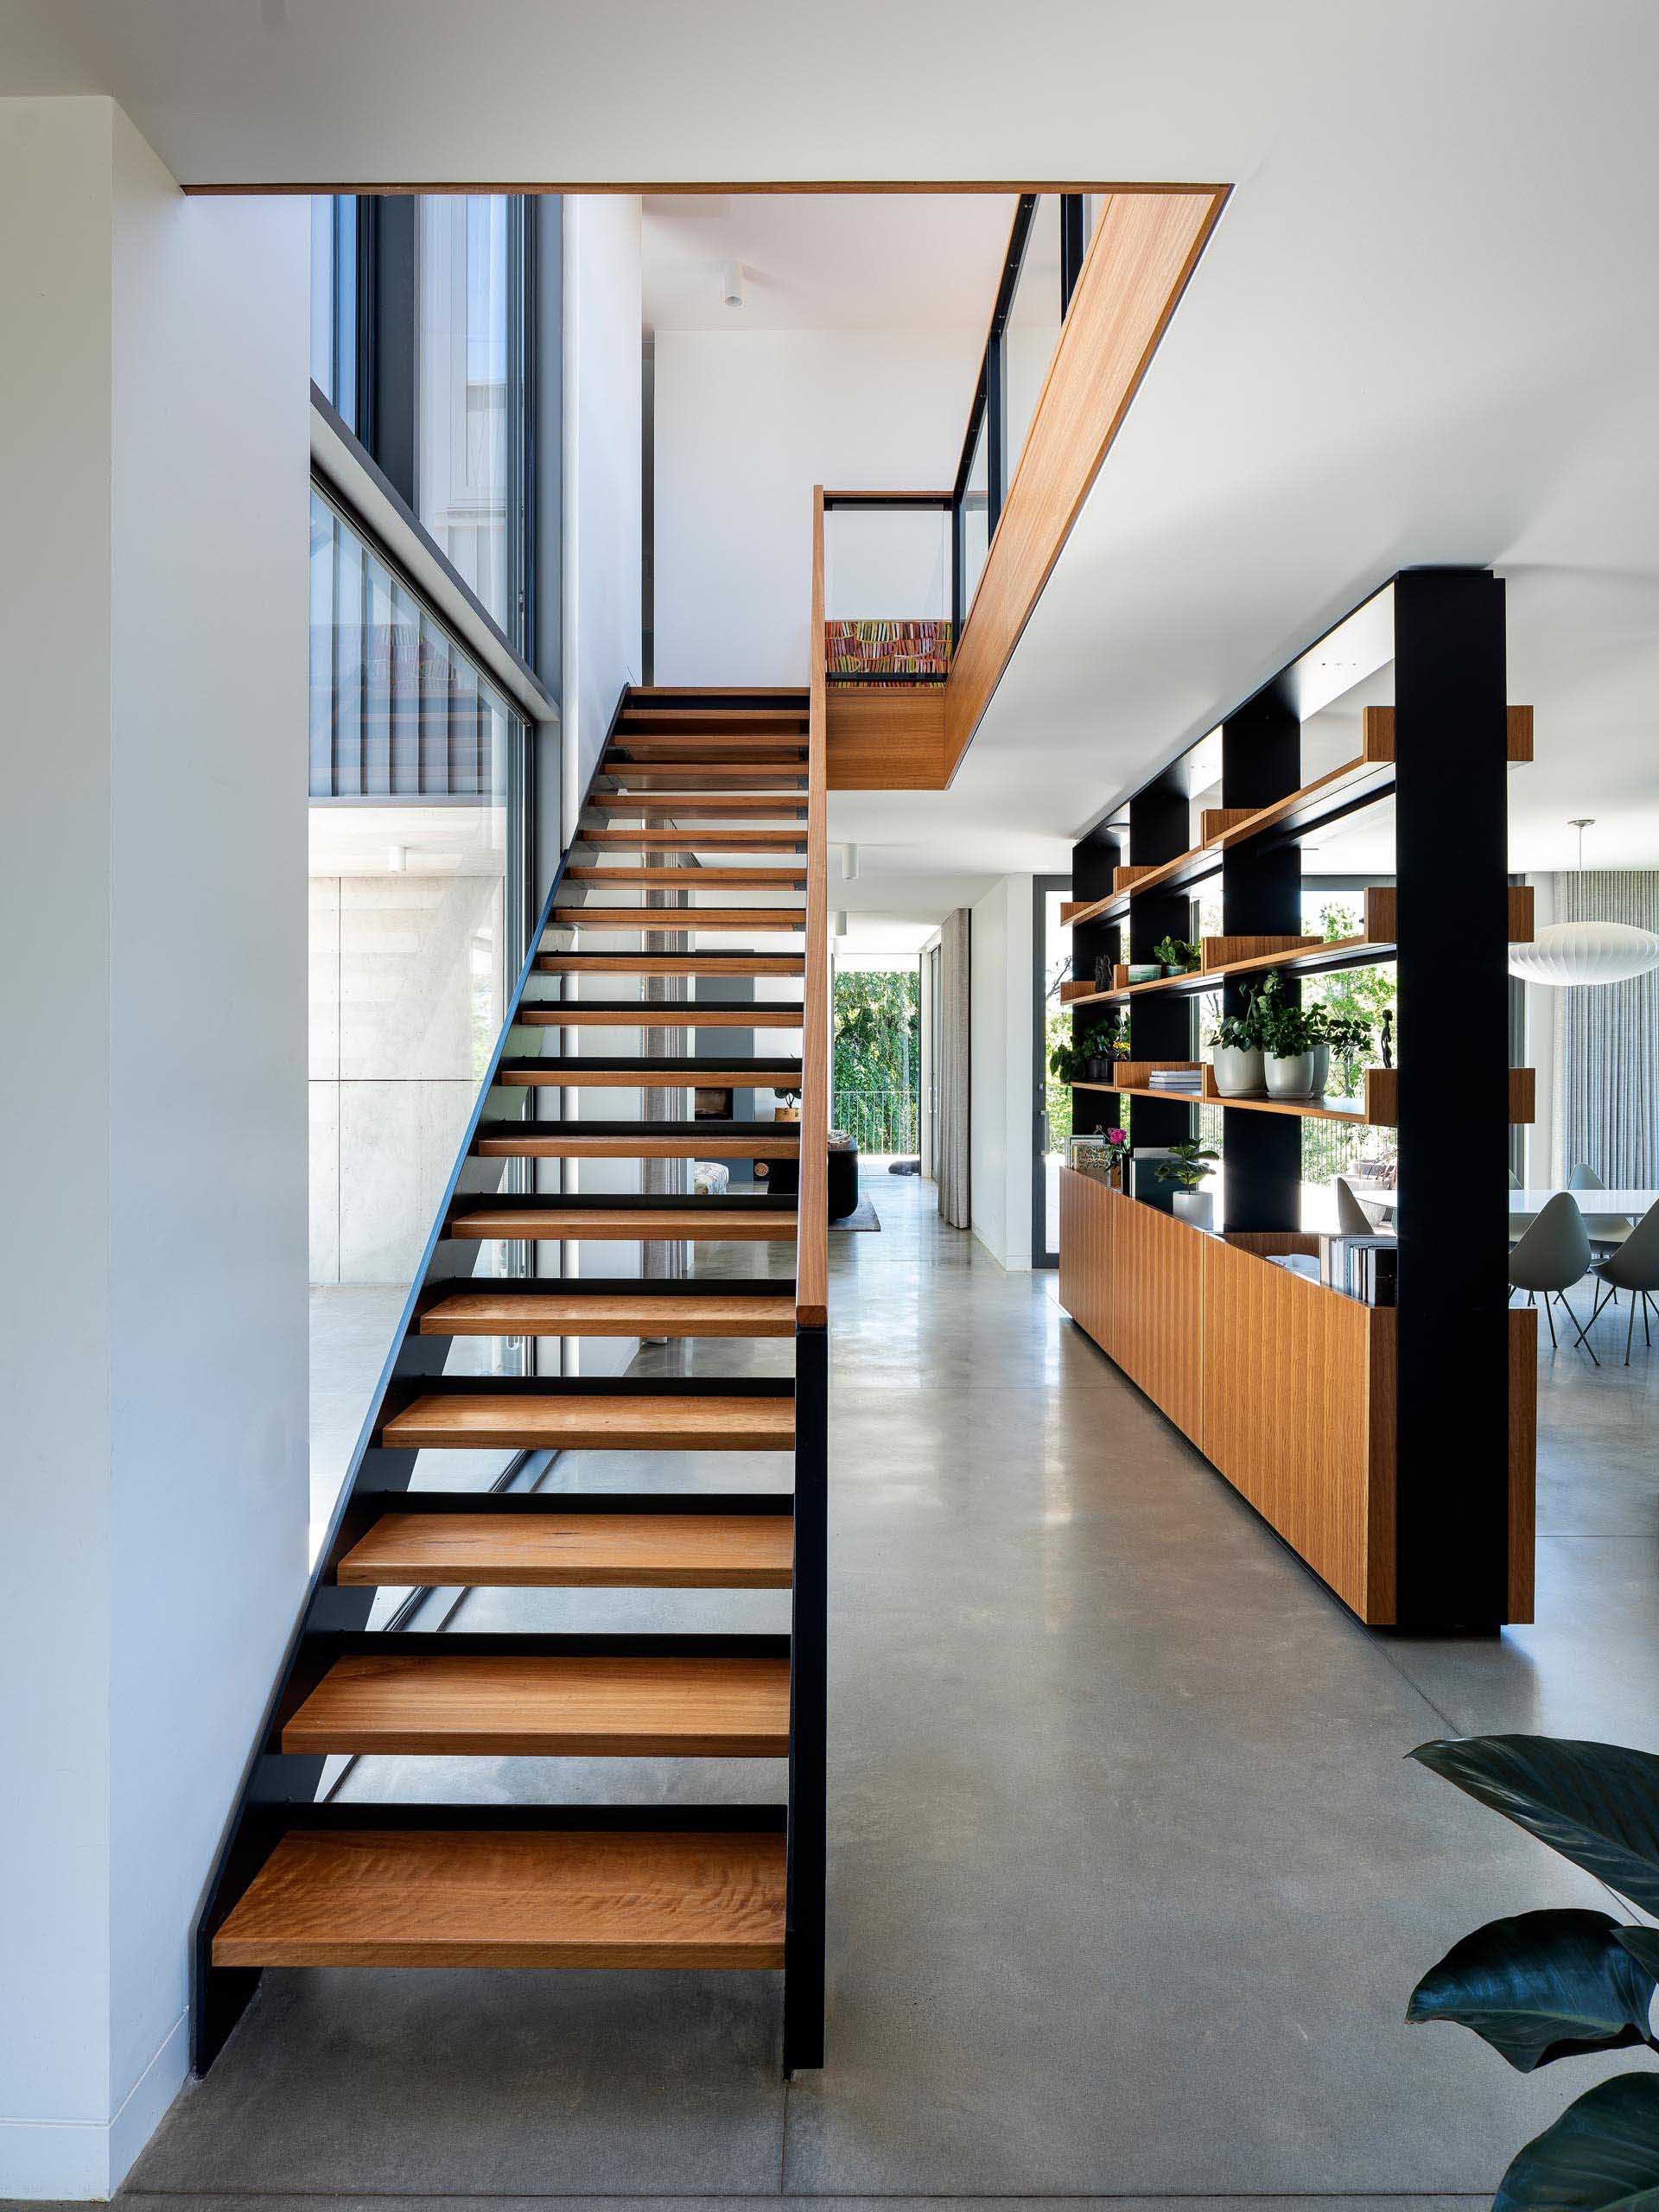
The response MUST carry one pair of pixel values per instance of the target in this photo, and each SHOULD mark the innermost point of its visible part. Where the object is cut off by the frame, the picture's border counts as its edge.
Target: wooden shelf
(1354, 784)
(1297, 957)
(1307, 1110)
(1380, 1107)
(1342, 952)
(1371, 775)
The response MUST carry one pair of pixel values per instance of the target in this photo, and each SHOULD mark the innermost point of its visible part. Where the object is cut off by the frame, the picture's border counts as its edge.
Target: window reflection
(416, 817)
(467, 390)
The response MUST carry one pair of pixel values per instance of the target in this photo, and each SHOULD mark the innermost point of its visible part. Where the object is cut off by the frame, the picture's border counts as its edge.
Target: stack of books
(1190, 1080)
(1365, 1267)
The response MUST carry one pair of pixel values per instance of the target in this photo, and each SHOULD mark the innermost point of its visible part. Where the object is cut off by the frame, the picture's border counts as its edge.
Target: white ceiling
(1426, 329)
(826, 261)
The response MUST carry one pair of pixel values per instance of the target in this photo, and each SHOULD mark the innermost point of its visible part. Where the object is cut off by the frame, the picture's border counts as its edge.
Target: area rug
(863, 1216)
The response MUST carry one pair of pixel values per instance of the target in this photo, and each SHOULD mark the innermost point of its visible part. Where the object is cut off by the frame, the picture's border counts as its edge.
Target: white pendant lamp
(1569, 953)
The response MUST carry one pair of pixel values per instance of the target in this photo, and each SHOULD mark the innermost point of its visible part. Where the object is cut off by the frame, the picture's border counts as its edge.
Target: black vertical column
(1261, 896)
(1160, 1025)
(1453, 938)
(1093, 860)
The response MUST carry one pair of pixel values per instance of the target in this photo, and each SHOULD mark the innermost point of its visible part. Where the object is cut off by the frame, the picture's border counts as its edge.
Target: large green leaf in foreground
(1602, 2155)
(1597, 1804)
(1542, 1985)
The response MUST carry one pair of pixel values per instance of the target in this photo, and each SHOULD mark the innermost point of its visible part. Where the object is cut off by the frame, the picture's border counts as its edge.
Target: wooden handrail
(811, 1293)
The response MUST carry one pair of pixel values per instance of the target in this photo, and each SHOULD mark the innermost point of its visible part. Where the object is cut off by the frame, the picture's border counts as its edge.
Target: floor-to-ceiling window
(417, 923)
(470, 386)
(336, 311)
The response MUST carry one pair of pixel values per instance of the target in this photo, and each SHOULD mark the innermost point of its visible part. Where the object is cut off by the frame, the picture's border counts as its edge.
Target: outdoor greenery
(1057, 1095)
(878, 1058)
(1358, 995)
(1565, 1982)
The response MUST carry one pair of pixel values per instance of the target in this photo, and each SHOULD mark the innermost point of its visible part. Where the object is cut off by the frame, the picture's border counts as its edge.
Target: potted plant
(788, 1106)
(1090, 1056)
(1289, 1035)
(1236, 1050)
(1100, 1155)
(1177, 955)
(1188, 1162)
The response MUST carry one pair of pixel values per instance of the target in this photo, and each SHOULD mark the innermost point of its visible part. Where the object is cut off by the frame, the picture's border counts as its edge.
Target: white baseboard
(87, 2161)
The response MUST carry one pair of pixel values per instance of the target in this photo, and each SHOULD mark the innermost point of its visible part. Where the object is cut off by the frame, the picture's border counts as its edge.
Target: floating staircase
(307, 1881)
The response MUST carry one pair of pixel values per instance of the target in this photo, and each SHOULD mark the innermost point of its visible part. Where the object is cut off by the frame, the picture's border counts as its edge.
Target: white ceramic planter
(1239, 1069)
(1196, 1206)
(1290, 1075)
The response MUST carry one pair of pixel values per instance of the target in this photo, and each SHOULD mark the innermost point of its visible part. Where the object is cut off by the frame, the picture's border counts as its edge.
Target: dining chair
(1353, 1220)
(1606, 1231)
(1551, 1257)
(1633, 1266)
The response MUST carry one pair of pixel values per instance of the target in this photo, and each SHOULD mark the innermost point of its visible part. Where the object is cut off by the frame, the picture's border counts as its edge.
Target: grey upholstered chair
(1606, 1231)
(1353, 1220)
(1554, 1255)
(1633, 1266)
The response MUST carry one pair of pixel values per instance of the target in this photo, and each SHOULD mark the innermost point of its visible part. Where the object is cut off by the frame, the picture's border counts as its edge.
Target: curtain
(1606, 1056)
(951, 1166)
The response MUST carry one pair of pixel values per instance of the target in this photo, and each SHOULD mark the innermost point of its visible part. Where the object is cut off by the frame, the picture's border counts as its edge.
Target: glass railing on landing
(888, 588)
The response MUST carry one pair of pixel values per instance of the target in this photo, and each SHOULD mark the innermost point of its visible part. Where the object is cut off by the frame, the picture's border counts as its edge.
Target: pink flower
(1117, 1136)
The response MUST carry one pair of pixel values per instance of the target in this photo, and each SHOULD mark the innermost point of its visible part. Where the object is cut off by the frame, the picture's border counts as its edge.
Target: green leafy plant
(787, 1097)
(1351, 1039)
(1560, 1983)
(1102, 1040)
(1286, 1030)
(1240, 1032)
(1188, 1163)
(1177, 953)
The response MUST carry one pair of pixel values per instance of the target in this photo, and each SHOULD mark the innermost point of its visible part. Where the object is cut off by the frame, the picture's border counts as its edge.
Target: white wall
(152, 856)
(746, 422)
(1000, 1070)
(603, 431)
(603, 403)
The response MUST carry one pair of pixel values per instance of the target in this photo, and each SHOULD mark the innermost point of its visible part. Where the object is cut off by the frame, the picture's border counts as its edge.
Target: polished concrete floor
(1130, 1877)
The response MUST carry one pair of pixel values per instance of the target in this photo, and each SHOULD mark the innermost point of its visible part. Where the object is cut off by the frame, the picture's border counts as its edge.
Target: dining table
(1525, 1205)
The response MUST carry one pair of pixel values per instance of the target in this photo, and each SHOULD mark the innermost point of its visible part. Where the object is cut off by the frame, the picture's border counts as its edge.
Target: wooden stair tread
(779, 806)
(710, 961)
(648, 1075)
(693, 720)
(506, 1898)
(574, 1551)
(692, 879)
(602, 1313)
(573, 1142)
(578, 1706)
(698, 841)
(710, 1421)
(687, 1217)
(668, 746)
(707, 775)
(662, 1013)
(678, 918)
